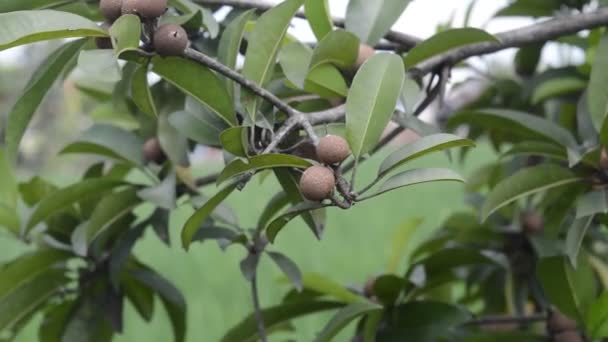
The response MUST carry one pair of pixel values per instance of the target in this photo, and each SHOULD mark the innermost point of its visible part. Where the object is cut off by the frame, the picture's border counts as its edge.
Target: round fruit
(604, 159)
(110, 9)
(317, 183)
(332, 149)
(170, 40)
(568, 336)
(144, 8)
(558, 323)
(365, 52)
(532, 222)
(153, 151)
(104, 42)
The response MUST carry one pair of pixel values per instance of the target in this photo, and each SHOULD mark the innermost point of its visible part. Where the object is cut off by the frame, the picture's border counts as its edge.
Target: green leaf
(387, 288)
(571, 290)
(594, 202)
(55, 321)
(126, 33)
(9, 219)
(173, 144)
(26, 298)
(294, 59)
(326, 81)
(24, 268)
(234, 140)
(371, 101)
(12, 6)
(371, 20)
(109, 141)
(43, 78)
(328, 287)
(597, 318)
(194, 223)
(230, 44)
(531, 8)
(343, 317)
(162, 195)
(188, 77)
(510, 336)
(109, 210)
(99, 65)
(417, 176)
(9, 193)
(279, 223)
(537, 148)
(557, 87)
(400, 240)
(140, 91)
(196, 127)
(140, 296)
(246, 331)
(526, 182)
(574, 238)
(276, 203)
(445, 41)
(339, 48)
(288, 267)
(24, 27)
(260, 162)
(597, 98)
(319, 18)
(263, 46)
(65, 197)
(421, 147)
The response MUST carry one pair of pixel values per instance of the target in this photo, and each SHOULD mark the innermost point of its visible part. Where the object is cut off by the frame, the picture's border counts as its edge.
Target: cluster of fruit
(167, 39)
(318, 182)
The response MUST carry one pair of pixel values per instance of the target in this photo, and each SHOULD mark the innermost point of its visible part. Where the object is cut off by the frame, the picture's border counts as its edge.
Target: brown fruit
(170, 40)
(568, 336)
(604, 159)
(104, 42)
(110, 9)
(532, 222)
(559, 322)
(332, 149)
(148, 9)
(317, 183)
(153, 151)
(368, 288)
(365, 52)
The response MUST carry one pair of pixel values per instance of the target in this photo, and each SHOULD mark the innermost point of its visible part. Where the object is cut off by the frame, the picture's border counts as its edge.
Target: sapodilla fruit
(604, 159)
(148, 9)
(110, 9)
(568, 336)
(365, 53)
(532, 222)
(558, 322)
(317, 183)
(332, 149)
(170, 40)
(153, 152)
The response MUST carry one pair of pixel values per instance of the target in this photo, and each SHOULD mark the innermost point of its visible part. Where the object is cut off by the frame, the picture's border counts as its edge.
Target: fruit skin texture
(170, 40)
(365, 52)
(317, 183)
(559, 323)
(144, 8)
(568, 336)
(110, 9)
(153, 151)
(604, 159)
(532, 222)
(104, 42)
(332, 149)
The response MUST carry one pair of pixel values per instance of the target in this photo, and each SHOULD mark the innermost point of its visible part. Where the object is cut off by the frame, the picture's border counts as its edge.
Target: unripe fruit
(332, 149)
(104, 42)
(604, 159)
(317, 183)
(559, 322)
(148, 9)
(110, 9)
(170, 40)
(568, 336)
(365, 53)
(532, 222)
(153, 152)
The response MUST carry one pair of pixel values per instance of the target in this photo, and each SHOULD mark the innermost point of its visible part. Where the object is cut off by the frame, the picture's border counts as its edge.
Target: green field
(355, 246)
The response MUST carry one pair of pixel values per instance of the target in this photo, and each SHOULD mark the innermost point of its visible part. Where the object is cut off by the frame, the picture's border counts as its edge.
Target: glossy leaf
(11, 6)
(421, 147)
(597, 318)
(326, 81)
(388, 287)
(319, 18)
(65, 197)
(234, 140)
(417, 176)
(28, 266)
(140, 296)
(125, 33)
(557, 87)
(533, 8)
(289, 268)
(371, 101)
(594, 202)
(230, 43)
(571, 290)
(39, 84)
(9, 219)
(195, 221)
(524, 183)
(344, 317)
(574, 238)
(188, 77)
(538, 148)
(55, 321)
(246, 330)
(99, 65)
(339, 48)
(263, 46)
(597, 98)
(279, 223)
(196, 127)
(173, 144)
(276, 203)
(162, 195)
(25, 27)
(140, 91)
(260, 162)
(109, 141)
(371, 20)
(445, 41)
(9, 192)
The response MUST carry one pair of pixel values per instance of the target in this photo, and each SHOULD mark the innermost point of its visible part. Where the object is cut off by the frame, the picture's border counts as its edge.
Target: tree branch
(536, 33)
(257, 309)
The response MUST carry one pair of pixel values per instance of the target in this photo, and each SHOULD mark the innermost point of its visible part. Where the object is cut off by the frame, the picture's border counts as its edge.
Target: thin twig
(257, 309)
